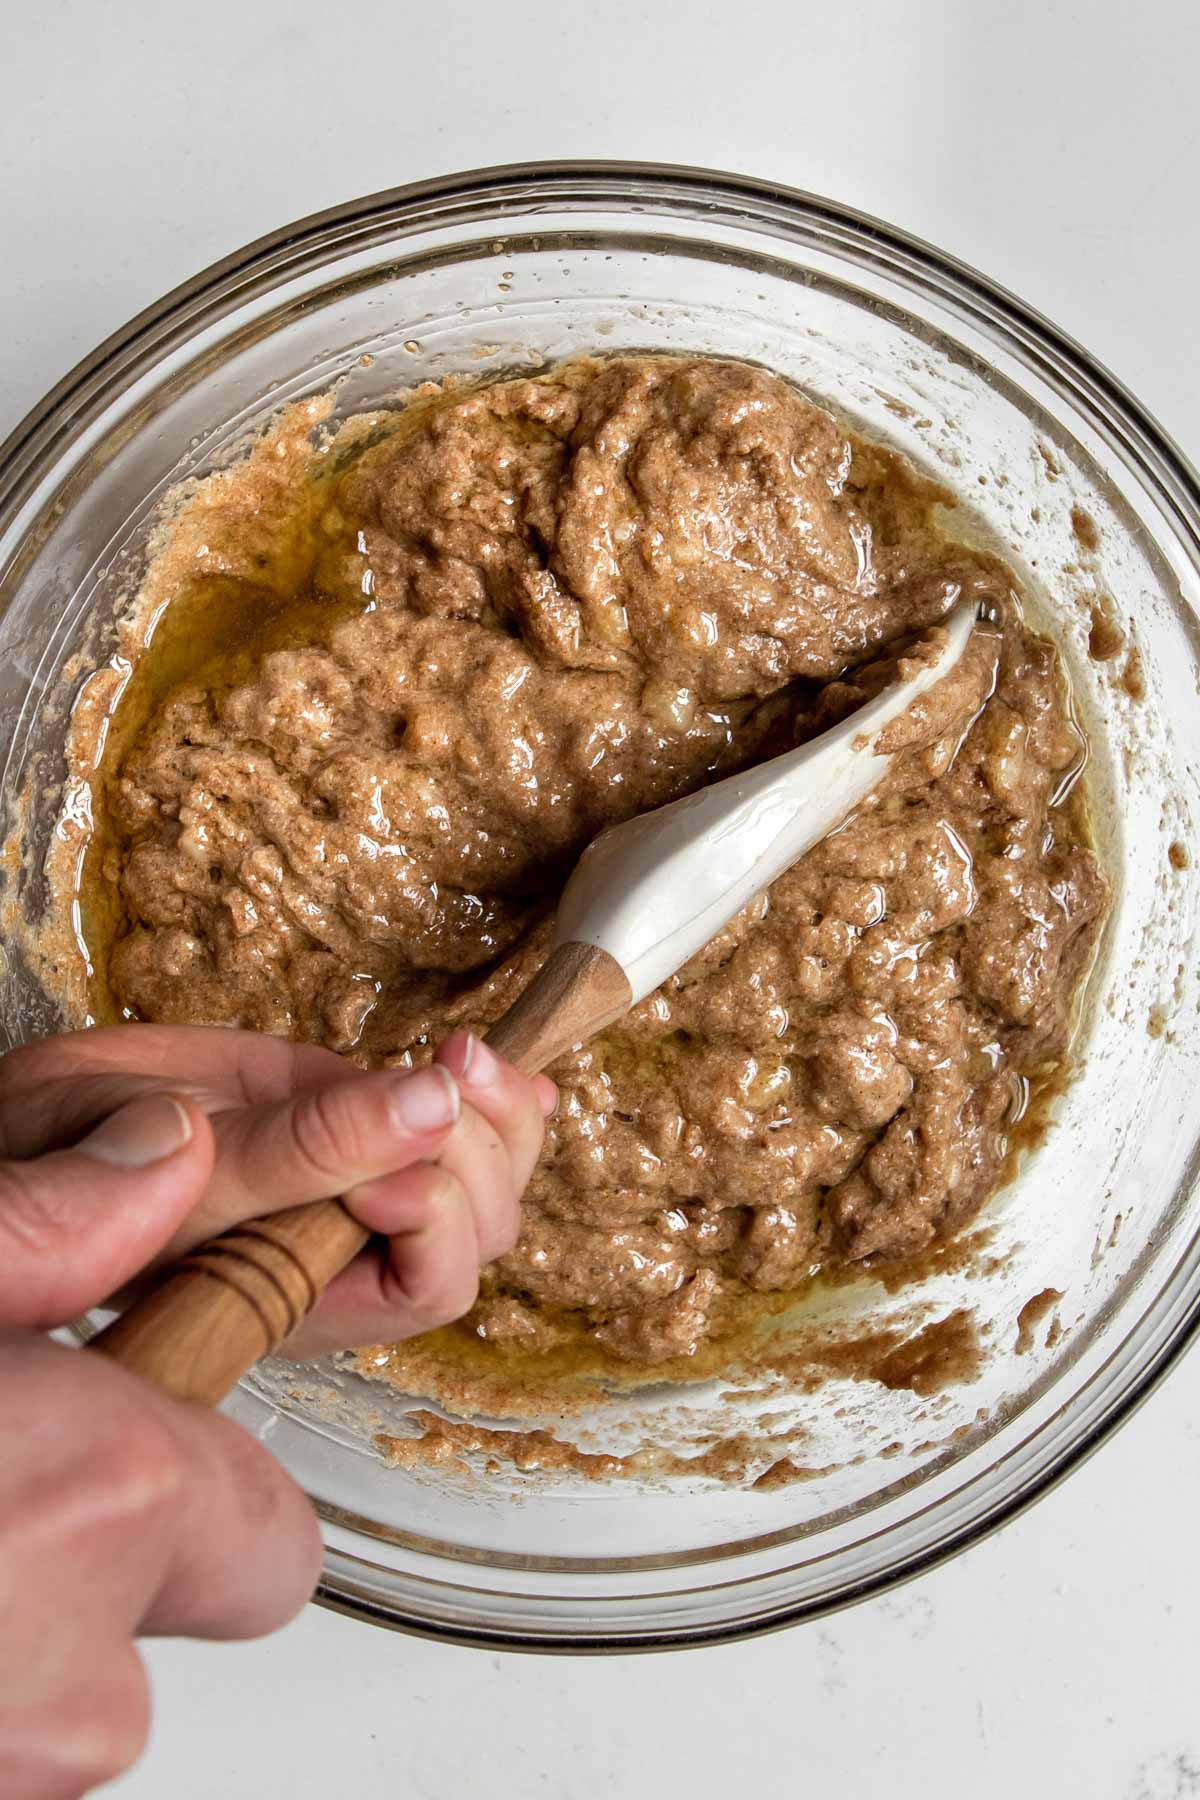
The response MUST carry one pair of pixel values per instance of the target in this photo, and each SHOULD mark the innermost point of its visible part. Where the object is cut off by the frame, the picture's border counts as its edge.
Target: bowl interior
(1050, 472)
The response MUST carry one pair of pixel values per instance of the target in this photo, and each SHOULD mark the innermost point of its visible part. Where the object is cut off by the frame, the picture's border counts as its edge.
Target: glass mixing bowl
(510, 268)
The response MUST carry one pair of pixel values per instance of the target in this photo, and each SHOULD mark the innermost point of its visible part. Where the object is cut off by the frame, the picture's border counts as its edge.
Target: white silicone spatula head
(653, 891)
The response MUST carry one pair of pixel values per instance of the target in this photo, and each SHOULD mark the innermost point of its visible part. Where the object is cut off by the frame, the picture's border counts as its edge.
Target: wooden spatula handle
(236, 1298)
(232, 1300)
(577, 992)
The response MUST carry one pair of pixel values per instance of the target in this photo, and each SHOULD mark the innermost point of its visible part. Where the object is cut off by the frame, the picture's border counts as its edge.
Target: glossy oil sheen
(929, 357)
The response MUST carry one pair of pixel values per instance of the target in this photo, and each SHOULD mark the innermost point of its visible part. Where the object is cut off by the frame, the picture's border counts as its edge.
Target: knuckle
(33, 1216)
(449, 1298)
(325, 1132)
(265, 1493)
(143, 1467)
(93, 1733)
(437, 1194)
(109, 1486)
(447, 1290)
(463, 1285)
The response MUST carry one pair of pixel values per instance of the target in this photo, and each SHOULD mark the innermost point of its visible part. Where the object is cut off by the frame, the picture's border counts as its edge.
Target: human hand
(433, 1161)
(121, 1511)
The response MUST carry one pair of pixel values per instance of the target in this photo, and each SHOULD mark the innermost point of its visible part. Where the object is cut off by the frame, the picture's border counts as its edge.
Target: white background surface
(1056, 146)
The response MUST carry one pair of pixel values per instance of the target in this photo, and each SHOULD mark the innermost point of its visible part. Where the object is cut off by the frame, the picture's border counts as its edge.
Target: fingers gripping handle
(236, 1298)
(233, 1300)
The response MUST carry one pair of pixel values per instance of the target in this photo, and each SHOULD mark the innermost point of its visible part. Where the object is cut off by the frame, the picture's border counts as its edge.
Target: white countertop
(1057, 147)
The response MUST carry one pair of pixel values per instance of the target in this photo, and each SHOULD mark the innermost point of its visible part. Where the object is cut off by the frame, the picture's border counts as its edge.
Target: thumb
(76, 1224)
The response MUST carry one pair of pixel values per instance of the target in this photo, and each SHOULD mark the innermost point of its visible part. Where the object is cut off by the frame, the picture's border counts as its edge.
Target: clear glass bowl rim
(32, 448)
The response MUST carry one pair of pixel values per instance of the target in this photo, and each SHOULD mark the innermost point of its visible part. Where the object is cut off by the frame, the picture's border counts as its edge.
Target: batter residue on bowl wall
(399, 677)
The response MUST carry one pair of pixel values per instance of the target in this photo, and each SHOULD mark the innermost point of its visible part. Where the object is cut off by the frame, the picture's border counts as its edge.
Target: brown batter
(538, 607)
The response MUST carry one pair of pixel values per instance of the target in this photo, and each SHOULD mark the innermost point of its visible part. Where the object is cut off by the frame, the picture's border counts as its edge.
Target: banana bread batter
(531, 609)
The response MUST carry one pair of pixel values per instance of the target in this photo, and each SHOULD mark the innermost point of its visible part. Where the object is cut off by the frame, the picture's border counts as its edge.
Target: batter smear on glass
(392, 701)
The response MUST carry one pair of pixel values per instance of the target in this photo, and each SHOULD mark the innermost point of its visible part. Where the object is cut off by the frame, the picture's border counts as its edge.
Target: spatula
(645, 896)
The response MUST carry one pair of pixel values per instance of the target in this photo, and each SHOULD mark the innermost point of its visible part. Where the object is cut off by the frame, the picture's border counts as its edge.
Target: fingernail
(144, 1132)
(480, 1066)
(426, 1101)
